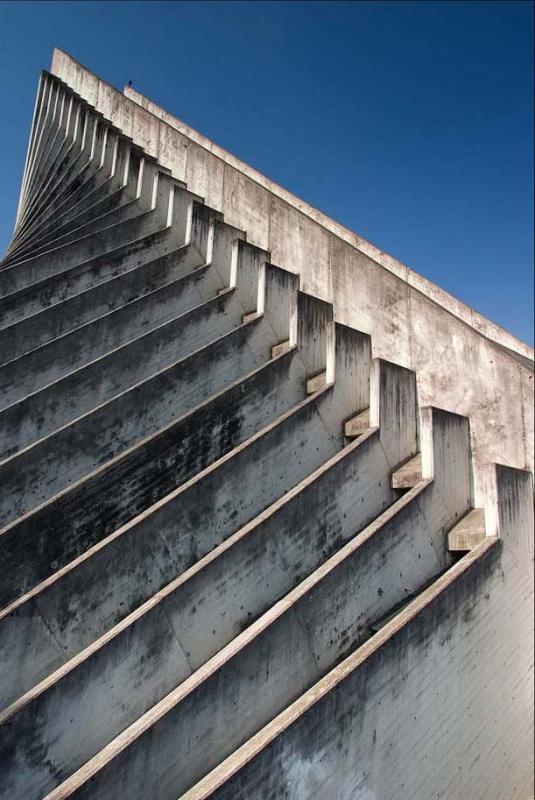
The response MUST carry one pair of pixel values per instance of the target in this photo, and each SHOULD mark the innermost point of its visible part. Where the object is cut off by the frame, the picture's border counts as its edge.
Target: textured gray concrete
(327, 616)
(412, 322)
(234, 522)
(431, 672)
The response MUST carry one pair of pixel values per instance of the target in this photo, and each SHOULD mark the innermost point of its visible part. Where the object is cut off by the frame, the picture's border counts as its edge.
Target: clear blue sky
(411, 123)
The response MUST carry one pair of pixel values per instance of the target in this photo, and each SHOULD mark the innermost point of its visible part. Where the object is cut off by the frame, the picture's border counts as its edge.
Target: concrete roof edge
(481, 324)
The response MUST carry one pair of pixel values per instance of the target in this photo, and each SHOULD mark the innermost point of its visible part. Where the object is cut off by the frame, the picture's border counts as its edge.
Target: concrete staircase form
(223, 519)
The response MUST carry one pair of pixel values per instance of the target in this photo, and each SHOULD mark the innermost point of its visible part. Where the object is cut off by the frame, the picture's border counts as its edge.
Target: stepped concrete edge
(465, 363)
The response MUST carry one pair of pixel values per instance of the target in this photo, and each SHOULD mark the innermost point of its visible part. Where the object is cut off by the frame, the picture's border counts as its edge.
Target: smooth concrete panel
(206, 174)
(172, 149)
(474, 379)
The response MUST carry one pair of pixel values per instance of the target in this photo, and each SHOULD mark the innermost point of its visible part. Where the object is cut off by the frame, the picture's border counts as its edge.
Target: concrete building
(267, 503)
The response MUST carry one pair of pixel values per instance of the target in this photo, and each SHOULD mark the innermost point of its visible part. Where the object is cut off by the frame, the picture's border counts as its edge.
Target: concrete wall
(457, 659)
(411, 321)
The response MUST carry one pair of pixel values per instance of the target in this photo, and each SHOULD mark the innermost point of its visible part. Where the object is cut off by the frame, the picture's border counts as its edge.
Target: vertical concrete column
(277, 298)
(393, 409)
(447, 457)
(315, 335)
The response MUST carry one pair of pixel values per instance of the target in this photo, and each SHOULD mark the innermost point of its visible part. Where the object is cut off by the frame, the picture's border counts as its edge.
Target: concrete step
(64, 283)
(379, 683)
(468, 533)
(230, 537)
(157, 403)
(21, 574)
(173, 392)
(31, 333)
(75, 164)
(357, 425)
(143, 475)
(105, 178)
(279, 656)
(140, 194)
(409, 474)
(284, 521)
(45, 293)
(129, 484)
(72, 351)
(72, 158)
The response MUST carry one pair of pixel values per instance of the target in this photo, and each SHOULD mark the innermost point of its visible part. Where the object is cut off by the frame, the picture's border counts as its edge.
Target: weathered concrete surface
(280, 655)
(120, 490)
(412, 322)
(65, 303)
(134, 481)
(193, 542)
(185, 287)
(169, 394)
(405, 691)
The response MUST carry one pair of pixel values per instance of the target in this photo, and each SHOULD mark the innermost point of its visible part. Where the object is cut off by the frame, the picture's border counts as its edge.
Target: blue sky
(411, 123)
